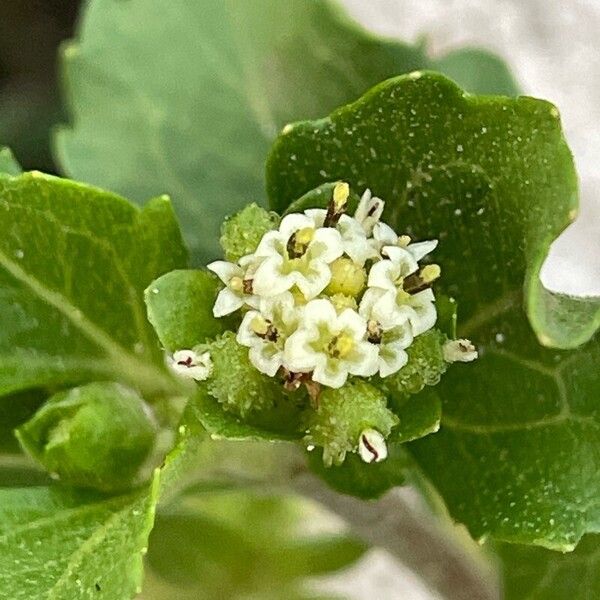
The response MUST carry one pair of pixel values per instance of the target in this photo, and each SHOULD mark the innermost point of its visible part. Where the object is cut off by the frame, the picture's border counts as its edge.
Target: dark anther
(247, 286)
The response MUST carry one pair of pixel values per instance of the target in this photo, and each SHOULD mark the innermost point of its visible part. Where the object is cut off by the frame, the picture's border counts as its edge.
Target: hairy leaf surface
(493, 179)
(74, 262)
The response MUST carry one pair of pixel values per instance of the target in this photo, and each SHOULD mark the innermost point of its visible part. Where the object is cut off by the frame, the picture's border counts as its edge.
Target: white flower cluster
(328, 295)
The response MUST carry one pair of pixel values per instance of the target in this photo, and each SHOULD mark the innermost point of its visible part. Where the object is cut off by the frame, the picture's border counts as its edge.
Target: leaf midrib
(123, 363)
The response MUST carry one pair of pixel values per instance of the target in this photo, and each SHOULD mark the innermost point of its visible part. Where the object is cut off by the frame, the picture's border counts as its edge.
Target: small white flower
(389, 274)
(459, 351)
(297, 254)
(396, 305)
(371, 446)
(369, 211)
(384, 235)
(354, 239)
(266, 330)
(390, 331)
(330, 345)
(189, 364)
(238, 288)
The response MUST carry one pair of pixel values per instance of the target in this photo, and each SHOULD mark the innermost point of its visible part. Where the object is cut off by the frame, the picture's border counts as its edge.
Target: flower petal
(331, 373)
(292, 223)
(272, 243)
(317, 215)
(299, 356)
(245, 334)
(421, 249)
(314, 281)
(392, 357)
(317, 312)
(227, 302)
(269, 280)
(266, 359)
(403, 258)
(383, 275)
(364, 360)
(225, 270)
(326, 245)
(385, 235)
(351, 322)
(424, 312)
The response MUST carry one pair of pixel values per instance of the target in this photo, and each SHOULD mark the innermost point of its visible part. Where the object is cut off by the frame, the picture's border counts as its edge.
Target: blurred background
(552, 47)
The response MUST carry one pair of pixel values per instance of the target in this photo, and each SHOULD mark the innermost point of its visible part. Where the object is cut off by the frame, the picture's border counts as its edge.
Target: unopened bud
(459, 351)
(372, 446)
(347, 277)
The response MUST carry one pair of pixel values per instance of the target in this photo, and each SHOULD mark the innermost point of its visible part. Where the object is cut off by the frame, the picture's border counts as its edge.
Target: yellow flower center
(340, 345)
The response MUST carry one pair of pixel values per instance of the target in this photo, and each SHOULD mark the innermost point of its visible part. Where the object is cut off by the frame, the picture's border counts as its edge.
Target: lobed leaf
(493, 179)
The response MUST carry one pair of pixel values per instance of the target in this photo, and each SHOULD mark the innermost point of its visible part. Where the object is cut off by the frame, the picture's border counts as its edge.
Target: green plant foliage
(99, 435)
(242, 70)
(493, 180)
(540, 574)
(251, 546)
(179, 307)
(74, 262)
(366, 481)
(62, 544)
(8, 164)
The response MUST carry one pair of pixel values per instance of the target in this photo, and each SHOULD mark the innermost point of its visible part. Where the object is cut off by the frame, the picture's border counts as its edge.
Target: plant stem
(400, 524)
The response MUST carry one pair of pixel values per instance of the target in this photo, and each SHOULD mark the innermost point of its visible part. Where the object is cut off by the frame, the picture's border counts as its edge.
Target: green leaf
(61, 544)
(540, 574)
(493, 179)
(74, 262)
(420, 414)
(242, 70)
(180, 308)
(237, 545)
(366, 481)
(14, 411)
(8, 164)
(223, 424)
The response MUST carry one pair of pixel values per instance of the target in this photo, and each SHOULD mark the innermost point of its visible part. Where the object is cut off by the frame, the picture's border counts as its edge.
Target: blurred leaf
(74, 262)
(241, 71)
(238, 545)
(478, 72)
(8, 164)
(536, 573)
(493, 179)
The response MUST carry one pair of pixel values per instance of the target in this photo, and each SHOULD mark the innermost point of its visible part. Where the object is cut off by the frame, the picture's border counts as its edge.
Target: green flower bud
(343, 415)
(99, 436)
(426, 365)
(241, 233)
(347, 278)
(235, 382)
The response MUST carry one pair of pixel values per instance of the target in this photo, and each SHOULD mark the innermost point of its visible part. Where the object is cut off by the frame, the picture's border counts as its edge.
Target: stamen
(236, 284)
(404, 240)
(422, 279)
(337, 206)
(247, 286)
(374, 332)
(299, 241)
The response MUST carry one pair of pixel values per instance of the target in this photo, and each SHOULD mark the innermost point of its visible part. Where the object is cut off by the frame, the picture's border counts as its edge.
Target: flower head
(238, 289)
(331, 346)
(298, 254)
(266, 330)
